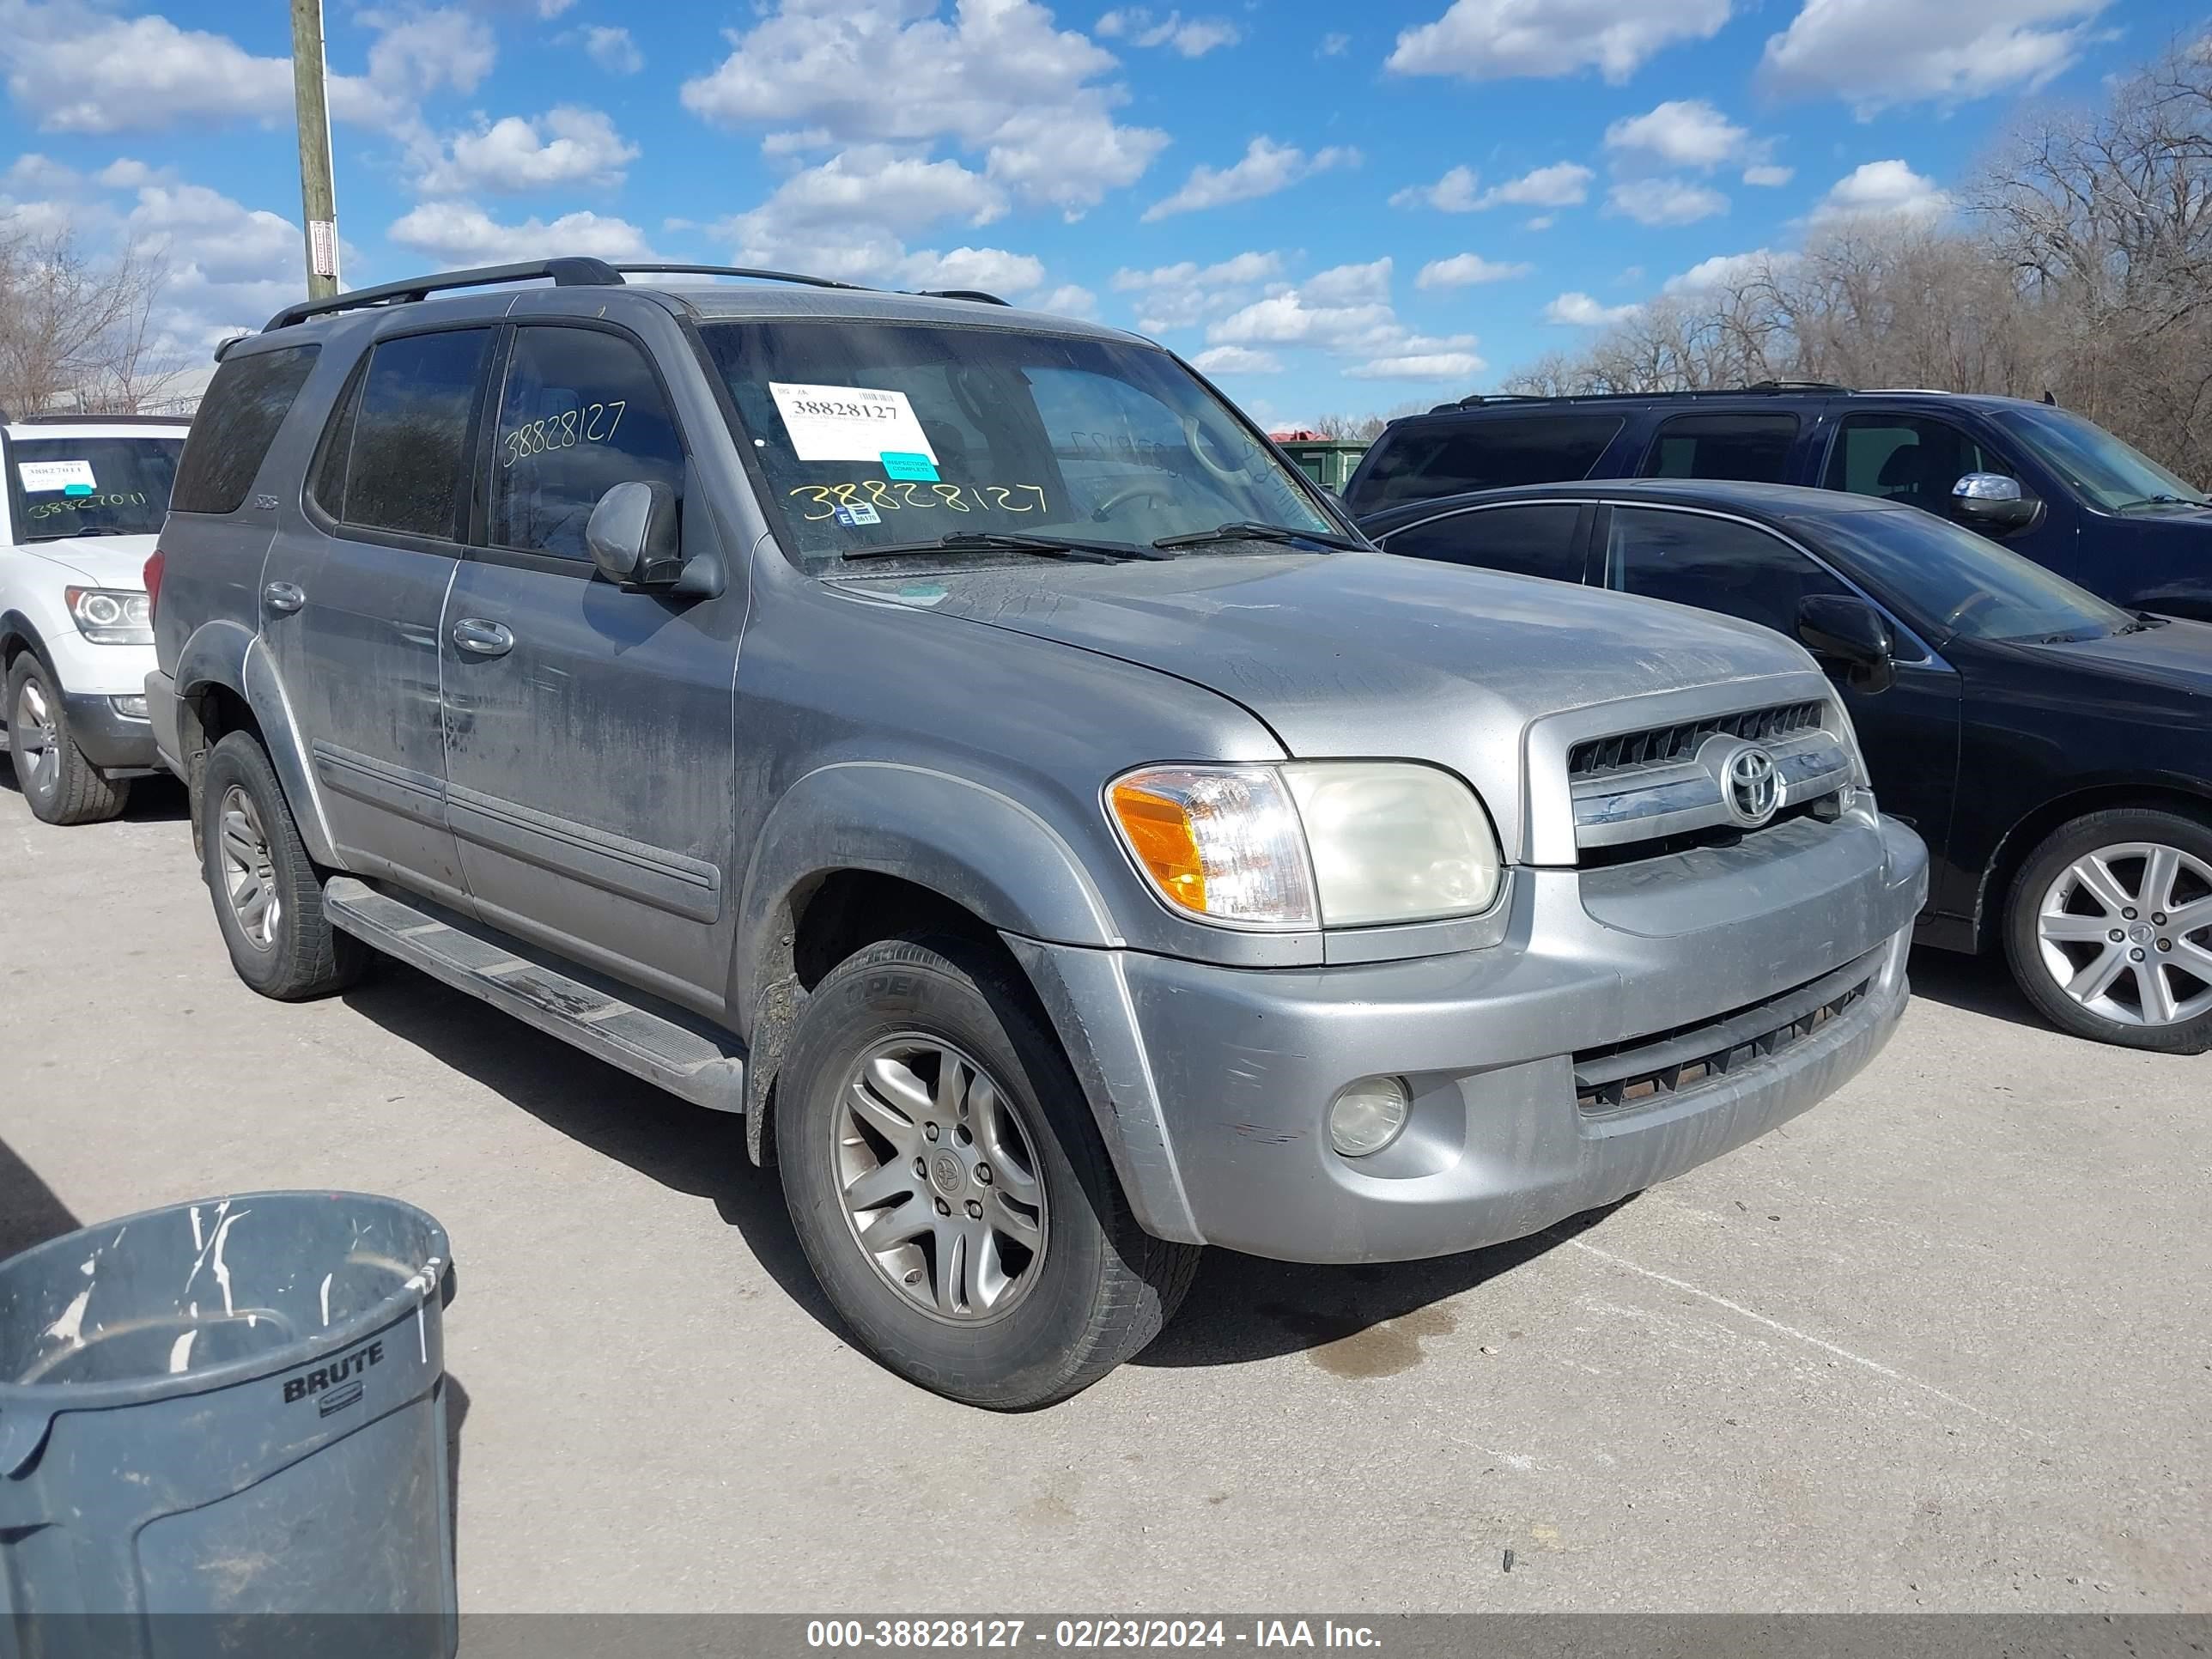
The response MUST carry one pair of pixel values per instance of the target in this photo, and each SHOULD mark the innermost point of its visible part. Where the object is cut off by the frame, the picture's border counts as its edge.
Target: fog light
(131, 709)
(1367, 1115)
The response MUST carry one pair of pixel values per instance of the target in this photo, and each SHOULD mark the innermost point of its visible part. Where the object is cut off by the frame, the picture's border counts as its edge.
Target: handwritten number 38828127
(592, 423)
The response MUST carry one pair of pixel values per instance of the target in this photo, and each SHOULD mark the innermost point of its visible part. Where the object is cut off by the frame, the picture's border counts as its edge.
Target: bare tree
(77, 332)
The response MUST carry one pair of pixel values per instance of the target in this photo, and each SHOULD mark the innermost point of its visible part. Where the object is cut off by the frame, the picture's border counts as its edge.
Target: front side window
(1714, 564)
(1905, 458)
(244, 404)
(1419, 462)
(2113, 475)
(1751, 447)
(871, 433)
(396, 456)
(69, 486)
(1539, 539)
(581, 411)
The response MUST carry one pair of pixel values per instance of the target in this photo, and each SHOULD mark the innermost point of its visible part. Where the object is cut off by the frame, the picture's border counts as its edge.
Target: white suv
(85, 496)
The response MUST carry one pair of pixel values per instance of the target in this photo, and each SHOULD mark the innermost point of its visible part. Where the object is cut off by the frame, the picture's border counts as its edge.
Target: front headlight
(1343, 843)
(110, 616)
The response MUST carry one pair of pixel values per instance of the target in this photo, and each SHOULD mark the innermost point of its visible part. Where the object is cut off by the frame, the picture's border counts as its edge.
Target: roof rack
(565, 273)
(94, 417)
(1757, 388)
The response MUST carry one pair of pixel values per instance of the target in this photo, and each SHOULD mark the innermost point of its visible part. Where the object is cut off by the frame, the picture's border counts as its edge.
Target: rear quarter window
(245, 403)
(1420, 462)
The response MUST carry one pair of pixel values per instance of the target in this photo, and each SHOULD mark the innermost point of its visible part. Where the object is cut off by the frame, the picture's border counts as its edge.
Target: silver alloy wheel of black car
(2126, 931)
(939, 1178)
(249, 874)
(36, 744)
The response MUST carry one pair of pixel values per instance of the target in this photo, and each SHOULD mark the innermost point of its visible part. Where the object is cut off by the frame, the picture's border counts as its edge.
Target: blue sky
(1334, 209)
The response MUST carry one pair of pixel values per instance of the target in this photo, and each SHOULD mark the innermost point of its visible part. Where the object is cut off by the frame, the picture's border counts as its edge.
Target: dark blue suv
(2051, 485)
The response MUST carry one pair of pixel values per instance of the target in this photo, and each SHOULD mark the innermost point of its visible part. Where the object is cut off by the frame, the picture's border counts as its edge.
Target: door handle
(284, 597)
(485, 639)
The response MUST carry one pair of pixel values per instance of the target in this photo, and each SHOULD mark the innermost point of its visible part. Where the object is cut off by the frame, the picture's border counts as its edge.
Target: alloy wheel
(249, 873)
(37, 745)
(2126, 931)
(938, 1172)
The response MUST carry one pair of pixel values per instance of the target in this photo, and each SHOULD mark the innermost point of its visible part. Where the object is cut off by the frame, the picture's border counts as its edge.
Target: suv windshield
(2112, 474)
(91, 486)
(1949, 581)
(872, 433)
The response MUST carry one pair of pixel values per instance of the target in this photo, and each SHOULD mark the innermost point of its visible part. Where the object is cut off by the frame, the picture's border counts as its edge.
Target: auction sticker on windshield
(848, 423)
(55, 475)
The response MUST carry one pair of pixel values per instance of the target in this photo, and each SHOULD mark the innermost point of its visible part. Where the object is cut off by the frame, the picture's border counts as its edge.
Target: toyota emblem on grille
(1755, 789)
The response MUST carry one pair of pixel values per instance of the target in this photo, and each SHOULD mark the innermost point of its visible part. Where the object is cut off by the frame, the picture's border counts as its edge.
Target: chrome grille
(1662, 745)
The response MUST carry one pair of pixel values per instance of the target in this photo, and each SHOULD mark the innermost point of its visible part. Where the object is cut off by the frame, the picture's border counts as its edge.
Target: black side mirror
(1840, 629)
(632, 535)
(1991, 501)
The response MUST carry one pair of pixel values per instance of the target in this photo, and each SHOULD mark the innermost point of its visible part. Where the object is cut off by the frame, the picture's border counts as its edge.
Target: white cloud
(613, 51)
(1179, 296)
(1251, 266)
(998, 79)
(567, 146)
(1727, 270)
(1563, 183)
(860, 196)
(992, 270)
(1333, 45)
(1766, 177)
(1881, 190)
(1286, 319)
(462, 234)
(1665, 201)
(1683, 132)
(415, 54)
(1192, 39)
(34, 172)
(1490, 39)
(1266, 167)
(1465, 269)
(1577, 310)
(1876, 53)
(1419, 366)
(1341, 285)
(1237, 360)
(1070, 300)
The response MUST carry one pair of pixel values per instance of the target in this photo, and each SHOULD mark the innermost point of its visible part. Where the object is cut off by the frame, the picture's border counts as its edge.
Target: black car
(2054, 750)
(2051, 486)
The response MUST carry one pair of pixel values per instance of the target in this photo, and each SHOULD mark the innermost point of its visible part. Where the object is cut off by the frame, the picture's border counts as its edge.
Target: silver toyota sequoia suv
(954, 739)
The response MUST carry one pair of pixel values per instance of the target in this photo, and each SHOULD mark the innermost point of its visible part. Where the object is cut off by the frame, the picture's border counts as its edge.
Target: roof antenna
(2048, 398)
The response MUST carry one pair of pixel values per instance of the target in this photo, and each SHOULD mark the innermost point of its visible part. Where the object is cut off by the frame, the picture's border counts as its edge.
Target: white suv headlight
(1339, 843)
(110, 616)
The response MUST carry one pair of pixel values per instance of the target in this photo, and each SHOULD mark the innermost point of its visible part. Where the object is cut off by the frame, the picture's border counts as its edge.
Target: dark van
(2047, 484)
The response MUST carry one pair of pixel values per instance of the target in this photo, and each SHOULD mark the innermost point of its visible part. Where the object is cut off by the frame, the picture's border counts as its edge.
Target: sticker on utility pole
(323, 246)
(848, 422)
(55, 475)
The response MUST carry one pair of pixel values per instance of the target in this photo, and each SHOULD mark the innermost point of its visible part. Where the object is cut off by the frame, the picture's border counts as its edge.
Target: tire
(293, 954)
(2147, 875)
(1095, 1289)
(60, 784)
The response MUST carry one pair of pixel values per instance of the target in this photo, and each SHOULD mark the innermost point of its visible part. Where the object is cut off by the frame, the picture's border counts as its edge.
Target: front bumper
(1701, 1006)
(110, 739)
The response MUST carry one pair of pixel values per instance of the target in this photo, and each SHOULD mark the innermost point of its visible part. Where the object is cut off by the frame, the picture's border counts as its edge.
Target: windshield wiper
(1247, 531)
(2160, 500)
(987, 541)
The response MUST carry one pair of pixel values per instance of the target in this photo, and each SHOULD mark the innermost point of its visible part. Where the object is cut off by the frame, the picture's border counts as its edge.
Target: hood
(99, 561)
(2176, 657)
(1365, 654)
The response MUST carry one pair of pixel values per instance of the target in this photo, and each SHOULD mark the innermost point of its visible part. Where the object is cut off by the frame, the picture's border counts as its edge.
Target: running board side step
(687, 1061)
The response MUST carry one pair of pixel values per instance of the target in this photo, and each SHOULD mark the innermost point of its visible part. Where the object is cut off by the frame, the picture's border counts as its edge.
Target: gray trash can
(222, 1427)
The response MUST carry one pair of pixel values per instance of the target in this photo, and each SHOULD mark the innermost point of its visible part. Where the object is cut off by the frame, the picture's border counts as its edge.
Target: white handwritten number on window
(592, 423)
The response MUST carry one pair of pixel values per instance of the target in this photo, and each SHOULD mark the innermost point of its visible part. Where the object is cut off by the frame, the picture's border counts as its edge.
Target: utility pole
(317, 201)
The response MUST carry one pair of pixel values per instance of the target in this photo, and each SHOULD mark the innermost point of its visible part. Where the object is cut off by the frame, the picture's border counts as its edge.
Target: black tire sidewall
(71, 769)
(303, 959)
(2023, 951)
(1034, 1352)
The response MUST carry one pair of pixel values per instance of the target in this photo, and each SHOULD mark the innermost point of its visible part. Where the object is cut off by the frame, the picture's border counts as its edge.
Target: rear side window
(1754, 447)
(396, 455)
(245, 403)
(581, 413)
(1541, 539)
(1419, 463)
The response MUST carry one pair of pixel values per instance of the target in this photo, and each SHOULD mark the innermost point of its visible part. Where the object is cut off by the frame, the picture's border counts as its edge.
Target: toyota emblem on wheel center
(1753, 787)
